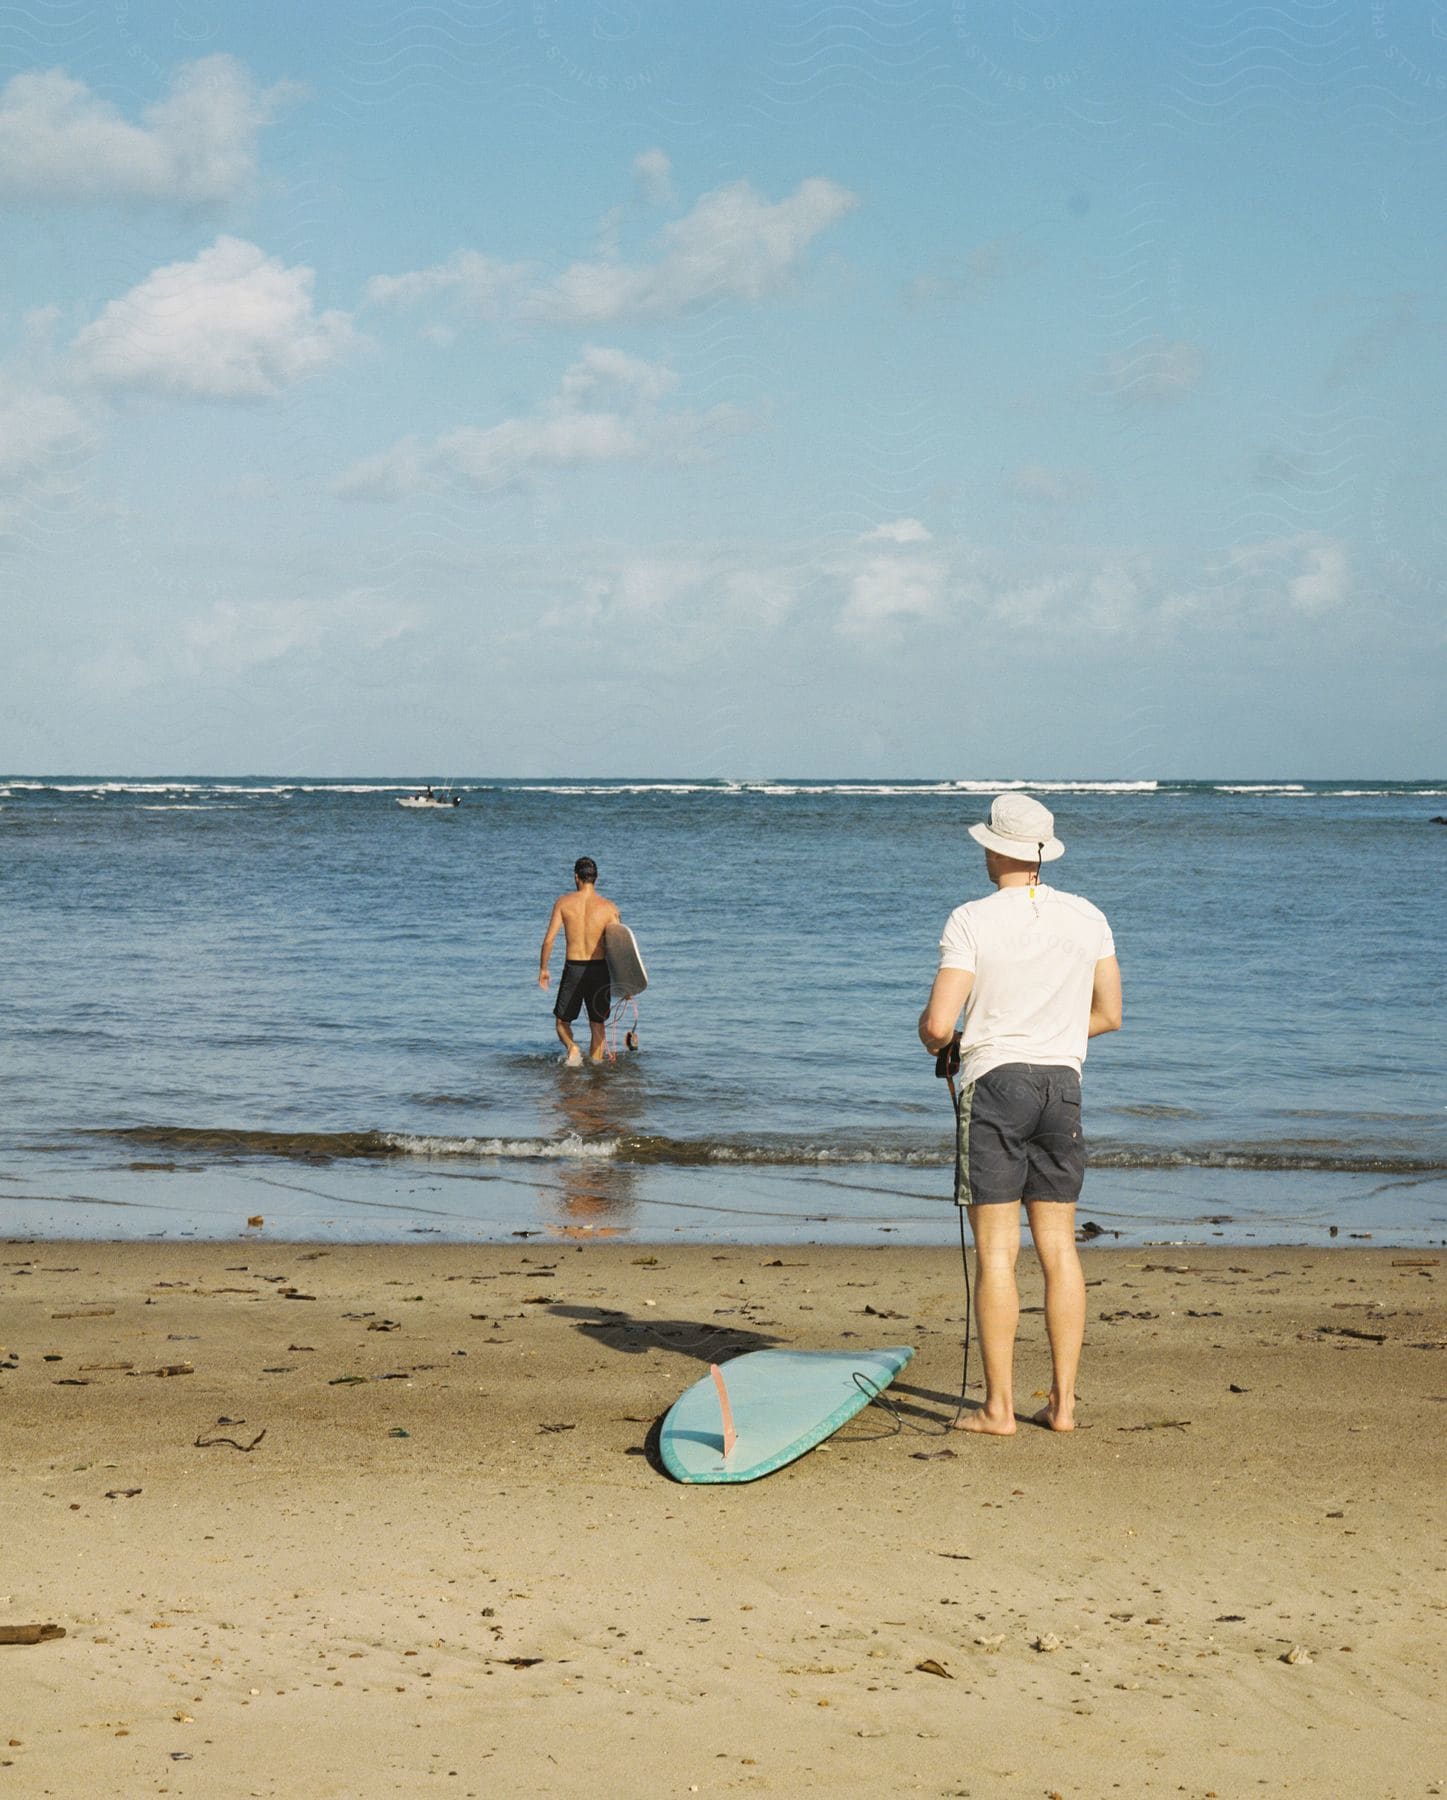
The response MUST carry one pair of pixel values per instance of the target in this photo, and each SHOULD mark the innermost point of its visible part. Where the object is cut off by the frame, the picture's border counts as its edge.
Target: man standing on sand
(1035, 972)
(583, 916)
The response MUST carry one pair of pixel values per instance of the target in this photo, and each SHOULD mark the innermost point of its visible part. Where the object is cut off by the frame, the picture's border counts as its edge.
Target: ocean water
(300, 989)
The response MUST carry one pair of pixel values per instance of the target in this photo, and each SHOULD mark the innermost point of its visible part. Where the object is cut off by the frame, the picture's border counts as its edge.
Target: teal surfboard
(771, 1407)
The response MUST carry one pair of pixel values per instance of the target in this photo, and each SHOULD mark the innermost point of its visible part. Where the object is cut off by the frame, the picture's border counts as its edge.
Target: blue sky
(893, 388)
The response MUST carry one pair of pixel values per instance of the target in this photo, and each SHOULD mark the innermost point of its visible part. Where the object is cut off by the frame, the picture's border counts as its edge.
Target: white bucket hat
(1020, 827)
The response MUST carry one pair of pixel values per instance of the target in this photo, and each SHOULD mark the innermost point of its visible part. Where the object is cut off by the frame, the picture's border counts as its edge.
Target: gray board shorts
(1020, 1136)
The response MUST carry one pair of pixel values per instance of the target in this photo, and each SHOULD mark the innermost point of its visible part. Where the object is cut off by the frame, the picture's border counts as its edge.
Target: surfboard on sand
(626, 974)
(764, 1409)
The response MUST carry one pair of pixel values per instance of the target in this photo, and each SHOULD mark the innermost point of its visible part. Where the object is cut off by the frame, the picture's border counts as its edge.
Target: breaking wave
(172, 792)
(779, 1152)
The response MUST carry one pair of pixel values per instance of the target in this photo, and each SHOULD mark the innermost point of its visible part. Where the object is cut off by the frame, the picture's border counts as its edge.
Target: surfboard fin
(730, 1436)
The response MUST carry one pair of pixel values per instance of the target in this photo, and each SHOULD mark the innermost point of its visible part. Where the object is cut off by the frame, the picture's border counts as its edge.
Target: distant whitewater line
(171, 795)
(642, 1150)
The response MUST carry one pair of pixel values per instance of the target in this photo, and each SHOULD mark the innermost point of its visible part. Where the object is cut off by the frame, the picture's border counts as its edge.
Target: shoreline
(582, 1200)
(450, 1566)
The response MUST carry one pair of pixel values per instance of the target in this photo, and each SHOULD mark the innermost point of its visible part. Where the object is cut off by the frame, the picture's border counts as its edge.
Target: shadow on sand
(688, 1337)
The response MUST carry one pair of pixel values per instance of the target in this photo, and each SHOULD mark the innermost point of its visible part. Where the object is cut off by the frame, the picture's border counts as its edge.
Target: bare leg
(598, 1041)
(997, 1313)
(1052, 1226)
(565, 1035)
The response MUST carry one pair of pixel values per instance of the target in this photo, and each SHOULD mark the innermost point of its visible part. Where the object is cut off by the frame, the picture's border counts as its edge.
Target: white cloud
(1114, 596)
(35, 429)
(653, 173)
(1038, 600)
(479, 282)
(898, 531)
(235, 324)
(1305, 572)
(712, 599)
(1324, 581)
(601, 368)
(646, 586)
(44, 442)
(499, 454)
(390, 475)
(733, 245)
(890, 580)
(60, 141)
(886, 594)
(232, 637)
(898, 590)
(605, 410)
(1310, 570)
(898, 576)
(1156, 373)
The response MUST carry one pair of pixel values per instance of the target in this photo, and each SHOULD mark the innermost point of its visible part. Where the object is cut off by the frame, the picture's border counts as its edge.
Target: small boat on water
(426, 801)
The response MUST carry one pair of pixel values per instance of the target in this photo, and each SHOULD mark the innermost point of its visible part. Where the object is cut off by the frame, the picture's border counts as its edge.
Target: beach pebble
(1298, 1653)
(1048, 1642)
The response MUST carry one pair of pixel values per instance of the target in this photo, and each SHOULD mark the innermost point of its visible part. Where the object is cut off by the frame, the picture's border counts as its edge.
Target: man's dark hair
(585, 869)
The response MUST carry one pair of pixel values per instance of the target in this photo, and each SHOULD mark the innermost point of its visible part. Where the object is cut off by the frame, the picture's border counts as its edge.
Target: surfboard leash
(615, 1019)
(947, 1066)
(876, 1396)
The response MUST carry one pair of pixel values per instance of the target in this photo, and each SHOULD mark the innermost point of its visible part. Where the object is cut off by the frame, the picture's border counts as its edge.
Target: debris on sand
(205, 1443)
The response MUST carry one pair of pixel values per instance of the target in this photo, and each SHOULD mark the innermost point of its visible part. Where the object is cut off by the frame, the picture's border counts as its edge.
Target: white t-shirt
(1033, 957)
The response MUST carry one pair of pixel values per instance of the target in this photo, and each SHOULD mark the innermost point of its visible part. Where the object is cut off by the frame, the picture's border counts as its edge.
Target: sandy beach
(451, 1564)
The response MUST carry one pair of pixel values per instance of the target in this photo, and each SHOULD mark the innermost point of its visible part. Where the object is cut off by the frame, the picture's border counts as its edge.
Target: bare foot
(600, 1057)
(574, 1058)
(1055, 1417)
(992, 1424)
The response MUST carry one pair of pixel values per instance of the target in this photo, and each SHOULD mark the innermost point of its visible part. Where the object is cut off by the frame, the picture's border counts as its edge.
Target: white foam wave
(1058, 787)
(854, 789)
(890, 789)
(583, 789)
(275, 789)
(103, 788)
(1296, 790)
(566, 1149)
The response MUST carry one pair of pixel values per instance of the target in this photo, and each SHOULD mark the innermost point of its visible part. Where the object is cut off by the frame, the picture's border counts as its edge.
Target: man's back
(1033, 953)
(586, 914)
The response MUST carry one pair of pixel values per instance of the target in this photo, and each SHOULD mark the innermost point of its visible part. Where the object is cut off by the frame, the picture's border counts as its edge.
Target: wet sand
(451, 1565)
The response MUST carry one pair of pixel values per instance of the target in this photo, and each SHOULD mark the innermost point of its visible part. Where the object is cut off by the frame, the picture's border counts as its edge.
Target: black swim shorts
(584, 984)
(1020, 1136)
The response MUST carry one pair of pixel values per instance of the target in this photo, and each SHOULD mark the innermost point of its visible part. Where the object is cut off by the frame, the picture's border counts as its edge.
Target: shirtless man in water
(583, 916)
